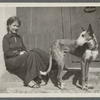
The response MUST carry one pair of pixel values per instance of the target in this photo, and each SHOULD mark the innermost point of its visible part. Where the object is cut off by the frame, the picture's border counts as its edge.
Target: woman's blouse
(12, 45)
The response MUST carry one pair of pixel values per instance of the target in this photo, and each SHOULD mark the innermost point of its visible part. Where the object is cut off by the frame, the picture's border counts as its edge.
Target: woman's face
(14, 27)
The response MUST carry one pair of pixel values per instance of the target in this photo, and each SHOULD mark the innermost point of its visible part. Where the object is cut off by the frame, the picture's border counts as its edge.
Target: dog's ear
(90, 30)
(83, 29)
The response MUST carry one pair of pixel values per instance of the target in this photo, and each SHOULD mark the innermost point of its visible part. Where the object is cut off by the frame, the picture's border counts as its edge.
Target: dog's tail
(50, 65)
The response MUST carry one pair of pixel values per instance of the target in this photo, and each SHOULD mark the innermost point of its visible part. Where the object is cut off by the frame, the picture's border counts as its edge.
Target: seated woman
(26, 65)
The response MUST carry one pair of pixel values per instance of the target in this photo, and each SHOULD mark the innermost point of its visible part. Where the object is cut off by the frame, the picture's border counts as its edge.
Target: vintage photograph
(49, 49)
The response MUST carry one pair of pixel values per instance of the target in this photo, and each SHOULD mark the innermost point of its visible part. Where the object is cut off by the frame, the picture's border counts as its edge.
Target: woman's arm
(24, 48)
(6, 49)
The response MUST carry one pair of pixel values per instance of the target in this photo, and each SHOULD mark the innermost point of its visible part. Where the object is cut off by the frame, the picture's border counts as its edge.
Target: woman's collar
(10, 35)
(13, 34)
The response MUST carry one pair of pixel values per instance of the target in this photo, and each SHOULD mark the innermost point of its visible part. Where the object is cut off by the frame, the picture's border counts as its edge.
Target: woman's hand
(22, 52)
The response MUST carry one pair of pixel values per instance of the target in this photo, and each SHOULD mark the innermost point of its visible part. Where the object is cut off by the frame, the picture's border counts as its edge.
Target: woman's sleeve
(24, 48)
(6, 49)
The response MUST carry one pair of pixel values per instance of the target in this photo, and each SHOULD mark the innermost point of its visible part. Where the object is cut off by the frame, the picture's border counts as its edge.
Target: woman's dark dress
(26, 66)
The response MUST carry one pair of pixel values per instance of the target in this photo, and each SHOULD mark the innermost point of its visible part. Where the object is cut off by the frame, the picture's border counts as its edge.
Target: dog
(85, 47)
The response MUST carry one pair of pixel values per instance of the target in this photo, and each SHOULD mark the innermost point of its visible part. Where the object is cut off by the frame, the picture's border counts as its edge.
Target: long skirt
(28, 66)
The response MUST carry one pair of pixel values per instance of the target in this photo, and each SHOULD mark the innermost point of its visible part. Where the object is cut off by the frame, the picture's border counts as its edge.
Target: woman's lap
(27, 66)
(42, 54)
(16, 62)
(13, 64)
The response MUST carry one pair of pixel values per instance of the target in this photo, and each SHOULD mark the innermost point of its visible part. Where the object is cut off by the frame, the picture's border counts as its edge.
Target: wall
(5, 13)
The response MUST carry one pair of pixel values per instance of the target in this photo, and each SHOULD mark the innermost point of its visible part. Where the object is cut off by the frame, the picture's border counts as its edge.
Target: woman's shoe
(40, 81)
(33, 84)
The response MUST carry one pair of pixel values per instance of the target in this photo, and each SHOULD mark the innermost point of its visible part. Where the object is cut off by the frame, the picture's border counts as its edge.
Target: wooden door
(66, 30)
(40, 26)
(81, 19)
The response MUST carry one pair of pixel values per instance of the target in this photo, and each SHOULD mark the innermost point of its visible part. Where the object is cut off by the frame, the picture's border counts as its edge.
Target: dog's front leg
(83, 65)
(60, 74)
(87, 77)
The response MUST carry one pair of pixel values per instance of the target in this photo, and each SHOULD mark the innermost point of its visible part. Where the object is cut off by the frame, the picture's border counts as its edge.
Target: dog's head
(85, 36)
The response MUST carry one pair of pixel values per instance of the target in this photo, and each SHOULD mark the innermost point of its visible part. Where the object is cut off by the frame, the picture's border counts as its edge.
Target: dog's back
(64, 45)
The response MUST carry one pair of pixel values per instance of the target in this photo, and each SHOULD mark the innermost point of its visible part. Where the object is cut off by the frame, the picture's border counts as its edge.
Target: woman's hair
(12, 20)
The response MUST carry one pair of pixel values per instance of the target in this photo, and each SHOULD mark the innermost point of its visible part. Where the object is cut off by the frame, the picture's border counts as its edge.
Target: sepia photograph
(49, 50)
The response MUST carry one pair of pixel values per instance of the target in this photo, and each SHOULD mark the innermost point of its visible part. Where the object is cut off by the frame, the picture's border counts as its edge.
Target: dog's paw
(62, 86)
(85, 88)
(89, 86)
